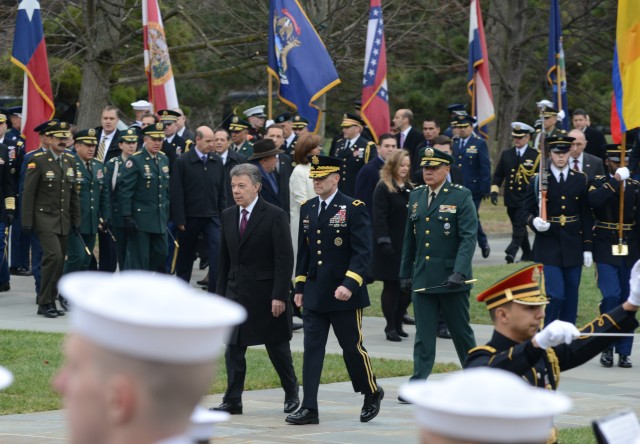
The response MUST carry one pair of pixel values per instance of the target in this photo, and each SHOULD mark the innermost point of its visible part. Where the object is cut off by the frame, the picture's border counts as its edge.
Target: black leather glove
(105, 225)
(486, 196)
(27, 231)
(494, 198)
(75, 229)
(387, 250)
(456, 280)
(130, 225)
(8, 219)
(405, 284)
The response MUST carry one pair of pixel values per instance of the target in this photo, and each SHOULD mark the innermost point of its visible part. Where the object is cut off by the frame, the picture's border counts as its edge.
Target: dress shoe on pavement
(304, 416)
(444, 333)
(19, 271)
(393, 336)
(204, 263)
(408, 320)
(371, 406)
(291, 405)
(64, 303)
(204, 282)
(5, 286)
(47, 311)
(296, 326)
(402, 333)
(401, 400)
(486, 250)
(231, 407)
(509, 259)
(606, 358)
(624, 361)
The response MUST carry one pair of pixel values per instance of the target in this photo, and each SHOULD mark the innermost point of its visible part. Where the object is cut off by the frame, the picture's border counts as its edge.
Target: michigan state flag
(298, 60)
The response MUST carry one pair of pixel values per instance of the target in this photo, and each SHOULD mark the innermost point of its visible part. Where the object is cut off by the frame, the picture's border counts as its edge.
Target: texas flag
(30, 54)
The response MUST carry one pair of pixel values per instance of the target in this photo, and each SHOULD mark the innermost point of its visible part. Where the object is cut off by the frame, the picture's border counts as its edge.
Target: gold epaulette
(357, 202)
(483, 347)
(161, 152)
(70, 155)
(304, 202)
(41, 153)
(137, 153)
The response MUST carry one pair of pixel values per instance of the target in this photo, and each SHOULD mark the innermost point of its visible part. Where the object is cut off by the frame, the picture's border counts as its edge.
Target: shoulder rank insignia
(304, 202)
(71, 156)
(137, 153)
(161, 152)
(357, 203)
(483, 347)
(41, 153)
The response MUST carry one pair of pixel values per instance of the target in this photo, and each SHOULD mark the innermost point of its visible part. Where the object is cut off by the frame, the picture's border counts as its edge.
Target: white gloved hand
(541, 225)
(634, 285)
(587, 259)
(556, 333)
(623, 173)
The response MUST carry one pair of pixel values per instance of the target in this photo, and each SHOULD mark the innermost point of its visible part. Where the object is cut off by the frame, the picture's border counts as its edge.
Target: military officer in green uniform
(239, 130)
(439, 241)
(51, 207)
(550, 119)
(144, 202)
(128, 143)
(95, 209)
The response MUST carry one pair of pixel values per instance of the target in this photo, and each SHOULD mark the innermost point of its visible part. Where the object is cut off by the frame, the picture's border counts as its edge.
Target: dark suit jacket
(411, 142)
(592, 165)
(366, 181)
(113, 150)
(595, 143)
(254, 280)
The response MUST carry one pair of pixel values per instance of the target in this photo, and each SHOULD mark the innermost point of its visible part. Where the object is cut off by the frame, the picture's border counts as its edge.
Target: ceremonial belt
(563, 219)
(614, 225)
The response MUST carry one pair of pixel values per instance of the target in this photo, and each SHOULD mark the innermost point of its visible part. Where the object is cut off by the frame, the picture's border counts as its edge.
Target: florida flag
(157, 65)
(375, 96)
(478, 80)
(30, 54)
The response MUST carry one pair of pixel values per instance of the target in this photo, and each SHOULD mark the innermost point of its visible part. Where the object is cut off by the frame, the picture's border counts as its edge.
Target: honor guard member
(550, 119)
(128, 143)
(517, 307)
(8, 206)
(285, 120)
(95, 209)
(334, 250)
(140, 108)
(50, 208)
(300, 125)
(257, 119)
(144, 202)
(515, 168)
(563, 241)
(239, 130)
(439, 241)
(354, 151)
(472, 156)
(613, 264)
(173, 145)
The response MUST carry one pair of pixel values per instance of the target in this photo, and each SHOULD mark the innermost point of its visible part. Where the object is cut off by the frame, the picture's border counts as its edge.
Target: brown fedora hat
(264, 148)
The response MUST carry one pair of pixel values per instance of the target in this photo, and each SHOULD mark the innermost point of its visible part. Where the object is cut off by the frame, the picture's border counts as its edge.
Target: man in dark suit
(334, 250)
(266, 157)
(221, 145)
(580, 159)
(594, 138)
(181, 127)
(369, 175)
(408, 137)
(255, 266)
(430, 130)
(515, 168)
(563, 242)
(198, 196)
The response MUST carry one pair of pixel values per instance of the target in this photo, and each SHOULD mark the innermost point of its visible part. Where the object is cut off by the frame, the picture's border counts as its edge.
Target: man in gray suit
(580, 160)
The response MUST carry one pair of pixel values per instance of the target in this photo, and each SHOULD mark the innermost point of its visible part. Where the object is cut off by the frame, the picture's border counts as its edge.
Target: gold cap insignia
(130, 132)
(92, 132)
(429, 152)
(63, 125)
(159, 126)
(165, 113)
(315, 160)
(517, 127)
(235, 119)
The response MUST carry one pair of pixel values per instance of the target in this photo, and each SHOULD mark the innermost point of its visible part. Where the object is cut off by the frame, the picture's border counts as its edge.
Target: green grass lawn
(578, 435)
(35, 357)
(489, 274)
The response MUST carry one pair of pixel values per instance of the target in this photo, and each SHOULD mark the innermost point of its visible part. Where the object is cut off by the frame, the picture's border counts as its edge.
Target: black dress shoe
(296, 326)
(486, 250)
(47, 311)
(231, 407)
(401, 400)
(371, 406)
(509, 259)
(624, 361)
(19, 271)
(304, 416)
(291, 405)
(408, 320)
(204, 282)
(5, 286)
(64, 303)
(204, 263)
(444, 333)
(402, 333)
(393, 336)
(606, 358)
(60, 312)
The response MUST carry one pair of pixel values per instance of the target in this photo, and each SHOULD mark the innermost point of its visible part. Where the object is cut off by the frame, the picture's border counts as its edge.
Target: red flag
(30, 54)
(375, 96)
(616, 130)
(157, 65)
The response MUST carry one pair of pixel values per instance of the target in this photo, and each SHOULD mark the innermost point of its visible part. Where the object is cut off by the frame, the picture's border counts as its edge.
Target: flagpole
(559, 88)
(270, 93)
(620, 250)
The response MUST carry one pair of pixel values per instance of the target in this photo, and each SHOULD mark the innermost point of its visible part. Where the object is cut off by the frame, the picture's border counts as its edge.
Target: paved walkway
(596, 391)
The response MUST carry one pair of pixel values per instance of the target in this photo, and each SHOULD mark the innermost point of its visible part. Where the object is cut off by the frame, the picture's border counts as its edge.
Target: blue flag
(556, 74)
(298, 60)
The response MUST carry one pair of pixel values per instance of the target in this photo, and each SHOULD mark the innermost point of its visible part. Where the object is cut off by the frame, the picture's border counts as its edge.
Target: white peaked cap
(255, 111)
(141, 105)
(149, 316)
(203, 421)
(485, 405)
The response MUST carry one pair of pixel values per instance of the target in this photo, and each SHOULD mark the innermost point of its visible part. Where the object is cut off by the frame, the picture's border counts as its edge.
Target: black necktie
(432, 197)
(561, 177)
(323, 207)
(88, 164)
(204, 158)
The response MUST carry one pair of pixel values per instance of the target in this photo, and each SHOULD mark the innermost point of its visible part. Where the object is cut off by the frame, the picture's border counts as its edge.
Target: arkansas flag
(375, 96)
(157, 65)
(479, 82)
(30, 54)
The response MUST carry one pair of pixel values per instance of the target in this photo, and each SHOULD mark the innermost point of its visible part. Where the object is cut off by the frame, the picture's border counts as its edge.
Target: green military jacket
(144, 192)
(115, 166)
(441, 239)
(93, 194)
(49, 200)
(246, 149)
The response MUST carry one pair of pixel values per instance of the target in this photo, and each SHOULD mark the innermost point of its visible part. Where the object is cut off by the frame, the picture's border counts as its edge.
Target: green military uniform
(246, 149)
(237, 125)
(51, 208)
(144, 199)
(439, 241)
(94, 207)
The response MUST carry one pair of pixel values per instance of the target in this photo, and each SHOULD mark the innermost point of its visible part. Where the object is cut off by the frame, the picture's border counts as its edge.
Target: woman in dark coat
(390, 200)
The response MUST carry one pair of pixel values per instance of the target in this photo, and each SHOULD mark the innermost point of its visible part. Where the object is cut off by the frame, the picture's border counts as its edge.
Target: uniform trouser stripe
(365, 356)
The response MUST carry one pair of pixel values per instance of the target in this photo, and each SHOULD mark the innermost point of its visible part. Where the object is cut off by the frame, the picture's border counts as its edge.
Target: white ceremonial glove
(556, 333)
(587, 259)
(623, 173)
(634, 285)
(541, 225)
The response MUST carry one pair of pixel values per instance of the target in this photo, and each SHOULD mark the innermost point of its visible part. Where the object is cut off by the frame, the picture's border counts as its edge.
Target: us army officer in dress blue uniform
(334, 250)
(144, 202)
(95, 208)
(439, 241)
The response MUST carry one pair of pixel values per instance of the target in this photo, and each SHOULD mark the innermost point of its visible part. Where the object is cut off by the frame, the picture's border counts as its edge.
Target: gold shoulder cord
(525, 174)
(555, 366)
